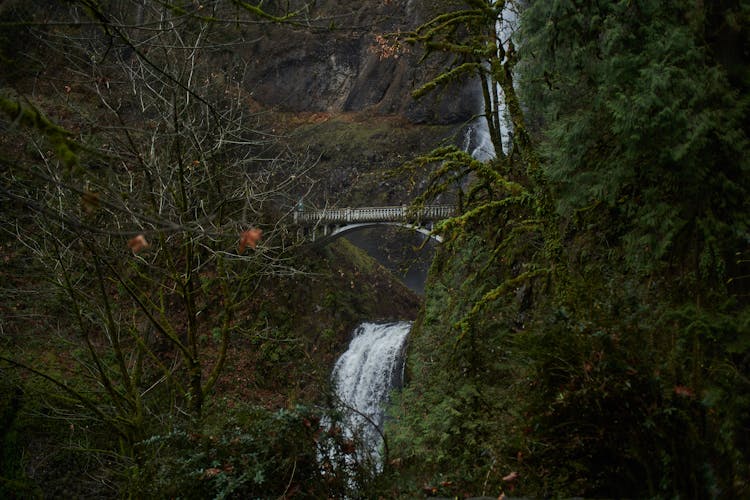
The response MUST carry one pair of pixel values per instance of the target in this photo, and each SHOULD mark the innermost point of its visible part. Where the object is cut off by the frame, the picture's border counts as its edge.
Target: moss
(28, 116)
(357, 153)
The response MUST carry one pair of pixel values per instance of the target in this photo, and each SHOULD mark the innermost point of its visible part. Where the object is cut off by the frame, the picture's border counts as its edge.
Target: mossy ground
(356, 154)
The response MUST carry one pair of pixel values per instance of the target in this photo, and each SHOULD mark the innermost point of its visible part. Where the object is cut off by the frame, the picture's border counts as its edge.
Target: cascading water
(477, 141)
(364, 376)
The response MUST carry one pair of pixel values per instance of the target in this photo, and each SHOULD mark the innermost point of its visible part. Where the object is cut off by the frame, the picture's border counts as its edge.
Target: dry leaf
(137, 243)
(211, 472)
(250, 239)
(511, 477)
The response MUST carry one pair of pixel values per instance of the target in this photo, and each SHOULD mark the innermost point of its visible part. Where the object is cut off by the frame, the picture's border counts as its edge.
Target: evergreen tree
(644, 105)
(600, 348)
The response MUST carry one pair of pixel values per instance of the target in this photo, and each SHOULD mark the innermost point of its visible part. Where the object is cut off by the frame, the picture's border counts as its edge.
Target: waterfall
(477, 141)
(364, 376)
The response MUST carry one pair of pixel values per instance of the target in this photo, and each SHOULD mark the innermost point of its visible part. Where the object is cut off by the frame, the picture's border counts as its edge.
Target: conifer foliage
(590, 336)
(644, 106)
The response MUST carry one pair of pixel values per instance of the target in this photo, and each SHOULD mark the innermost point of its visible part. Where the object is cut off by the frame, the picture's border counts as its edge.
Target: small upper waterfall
(477, 141)
(364, 376)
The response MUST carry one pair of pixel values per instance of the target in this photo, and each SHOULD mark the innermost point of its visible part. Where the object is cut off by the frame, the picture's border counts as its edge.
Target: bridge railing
(373, 214)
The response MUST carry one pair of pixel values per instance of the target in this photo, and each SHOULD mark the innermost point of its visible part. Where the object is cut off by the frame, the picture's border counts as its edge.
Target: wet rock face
(302, 71)
(340, 64)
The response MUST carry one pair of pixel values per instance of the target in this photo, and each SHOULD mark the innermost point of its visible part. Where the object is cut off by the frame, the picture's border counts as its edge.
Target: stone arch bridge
(329, 223)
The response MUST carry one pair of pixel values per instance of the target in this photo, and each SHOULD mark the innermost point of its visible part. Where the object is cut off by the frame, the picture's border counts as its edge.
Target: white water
(477, 141)
(364, 376)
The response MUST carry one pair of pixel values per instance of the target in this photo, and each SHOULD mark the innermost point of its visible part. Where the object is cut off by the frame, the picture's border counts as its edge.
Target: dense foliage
(643, 108)
(593, 340)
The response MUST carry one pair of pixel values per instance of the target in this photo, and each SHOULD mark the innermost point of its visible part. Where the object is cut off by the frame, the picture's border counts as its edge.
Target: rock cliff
(347, 59)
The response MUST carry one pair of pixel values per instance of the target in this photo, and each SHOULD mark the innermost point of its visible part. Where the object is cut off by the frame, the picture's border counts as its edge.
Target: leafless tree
(156, 202)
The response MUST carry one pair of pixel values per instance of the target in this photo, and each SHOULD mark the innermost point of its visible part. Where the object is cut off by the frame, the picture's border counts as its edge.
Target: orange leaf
(250, 239)
(511, 477)
(137, 243)
(211, 472)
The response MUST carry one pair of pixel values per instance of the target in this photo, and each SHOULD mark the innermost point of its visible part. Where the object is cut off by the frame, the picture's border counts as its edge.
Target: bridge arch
(337, 231)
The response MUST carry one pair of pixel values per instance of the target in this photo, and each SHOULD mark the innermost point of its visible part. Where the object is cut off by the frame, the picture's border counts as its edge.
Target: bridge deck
(373, 214)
